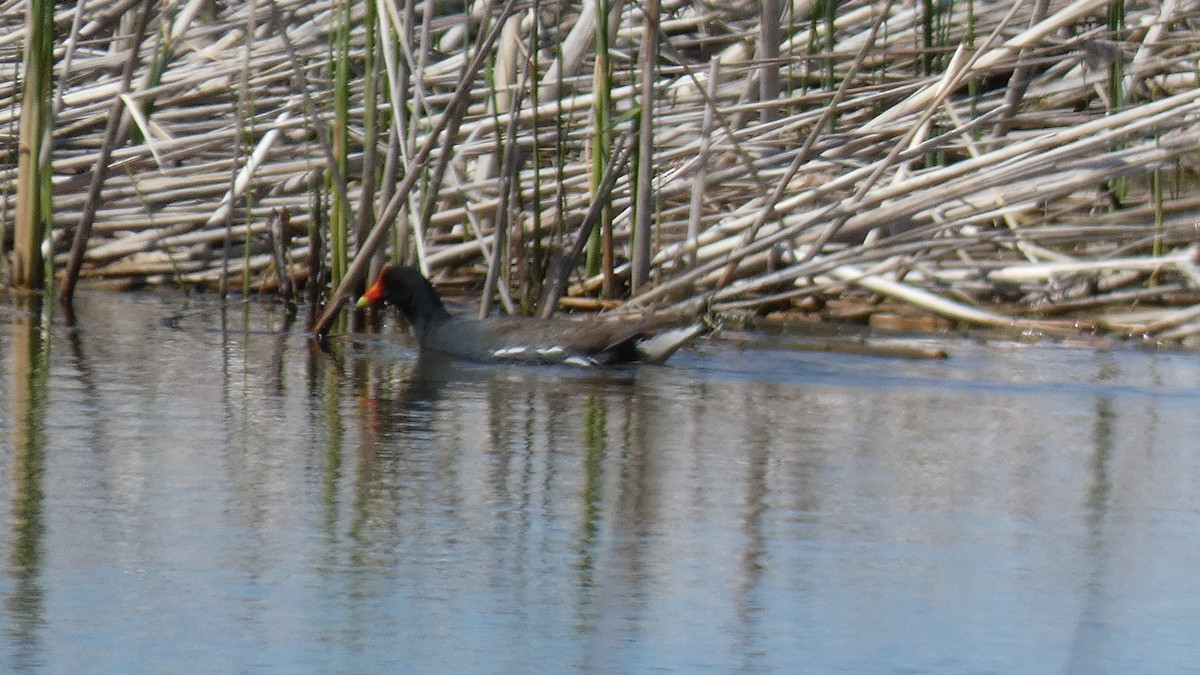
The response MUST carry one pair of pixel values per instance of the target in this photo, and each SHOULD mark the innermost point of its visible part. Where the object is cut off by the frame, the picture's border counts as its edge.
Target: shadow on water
(213, 478)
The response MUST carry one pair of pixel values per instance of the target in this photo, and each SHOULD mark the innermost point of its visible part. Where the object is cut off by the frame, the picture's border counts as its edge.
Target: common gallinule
(592, 342)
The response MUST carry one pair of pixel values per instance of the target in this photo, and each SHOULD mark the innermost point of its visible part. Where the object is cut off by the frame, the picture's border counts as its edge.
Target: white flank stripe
(509, 351)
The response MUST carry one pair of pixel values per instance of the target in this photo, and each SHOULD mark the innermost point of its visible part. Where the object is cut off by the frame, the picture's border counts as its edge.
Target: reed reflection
(507, 468)
(30, 367)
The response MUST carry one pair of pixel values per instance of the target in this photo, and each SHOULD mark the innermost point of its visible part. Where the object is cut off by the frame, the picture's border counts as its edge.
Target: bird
(588, 342)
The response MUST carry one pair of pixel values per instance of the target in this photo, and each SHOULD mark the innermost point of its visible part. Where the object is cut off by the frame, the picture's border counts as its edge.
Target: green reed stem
(560, 151)
(1156, 194)
(28, 359)
(246, 244)
(366, 204)
(822, 39)
(316, 255)
(601, 137)
(928, 8)
(339, 217)
(34, 190)
(537, 269)
(644, 166)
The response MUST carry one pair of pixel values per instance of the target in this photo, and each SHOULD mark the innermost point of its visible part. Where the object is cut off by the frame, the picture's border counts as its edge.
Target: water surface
(191, 488)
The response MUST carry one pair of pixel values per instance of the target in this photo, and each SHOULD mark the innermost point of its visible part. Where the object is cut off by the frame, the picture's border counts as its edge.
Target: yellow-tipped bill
(375, 293)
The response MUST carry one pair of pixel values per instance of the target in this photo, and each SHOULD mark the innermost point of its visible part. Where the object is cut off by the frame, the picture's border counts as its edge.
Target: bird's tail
(660, 347)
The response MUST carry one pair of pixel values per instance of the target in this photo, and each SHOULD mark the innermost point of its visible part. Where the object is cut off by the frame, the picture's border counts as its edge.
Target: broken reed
(856, 191)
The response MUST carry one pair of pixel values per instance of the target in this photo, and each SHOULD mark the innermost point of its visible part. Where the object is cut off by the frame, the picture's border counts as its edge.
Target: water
(181, 496)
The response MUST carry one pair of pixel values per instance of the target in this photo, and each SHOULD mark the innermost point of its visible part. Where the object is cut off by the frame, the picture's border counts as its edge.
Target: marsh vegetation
(1026, 165)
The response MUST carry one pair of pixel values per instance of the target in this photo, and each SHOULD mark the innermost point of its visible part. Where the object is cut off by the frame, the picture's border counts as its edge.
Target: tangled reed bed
(1025, 165)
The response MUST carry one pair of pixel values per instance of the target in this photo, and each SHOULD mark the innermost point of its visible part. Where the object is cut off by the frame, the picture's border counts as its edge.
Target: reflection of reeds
(927, 144)
(26, 476)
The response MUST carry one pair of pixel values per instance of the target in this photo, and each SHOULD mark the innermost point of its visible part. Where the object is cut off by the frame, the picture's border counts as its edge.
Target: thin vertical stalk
(316, 254)
(1118, 187)
(243, 147)
(537, 269)
(768, 54)
(557, 282)
(280, 237)
(247, 243)
(1116, 69)
(507, 216)
(642, 226)
(411, 229)
(790, 12)
(560, 150)
(829, 16)
(973, 83)
(600, 240)
(33, 165)
(1156, 194)
(399, 76)
(371, 68)
(335, 184)
(928, 10)
(339, 217)
(499, 74)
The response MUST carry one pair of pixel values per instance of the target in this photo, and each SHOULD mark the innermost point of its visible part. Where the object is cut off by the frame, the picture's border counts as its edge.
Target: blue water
(187, 489)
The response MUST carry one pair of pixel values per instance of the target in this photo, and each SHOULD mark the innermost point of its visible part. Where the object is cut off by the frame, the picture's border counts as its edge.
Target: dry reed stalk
(367, 248)
(66, 291)
(998, 161)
